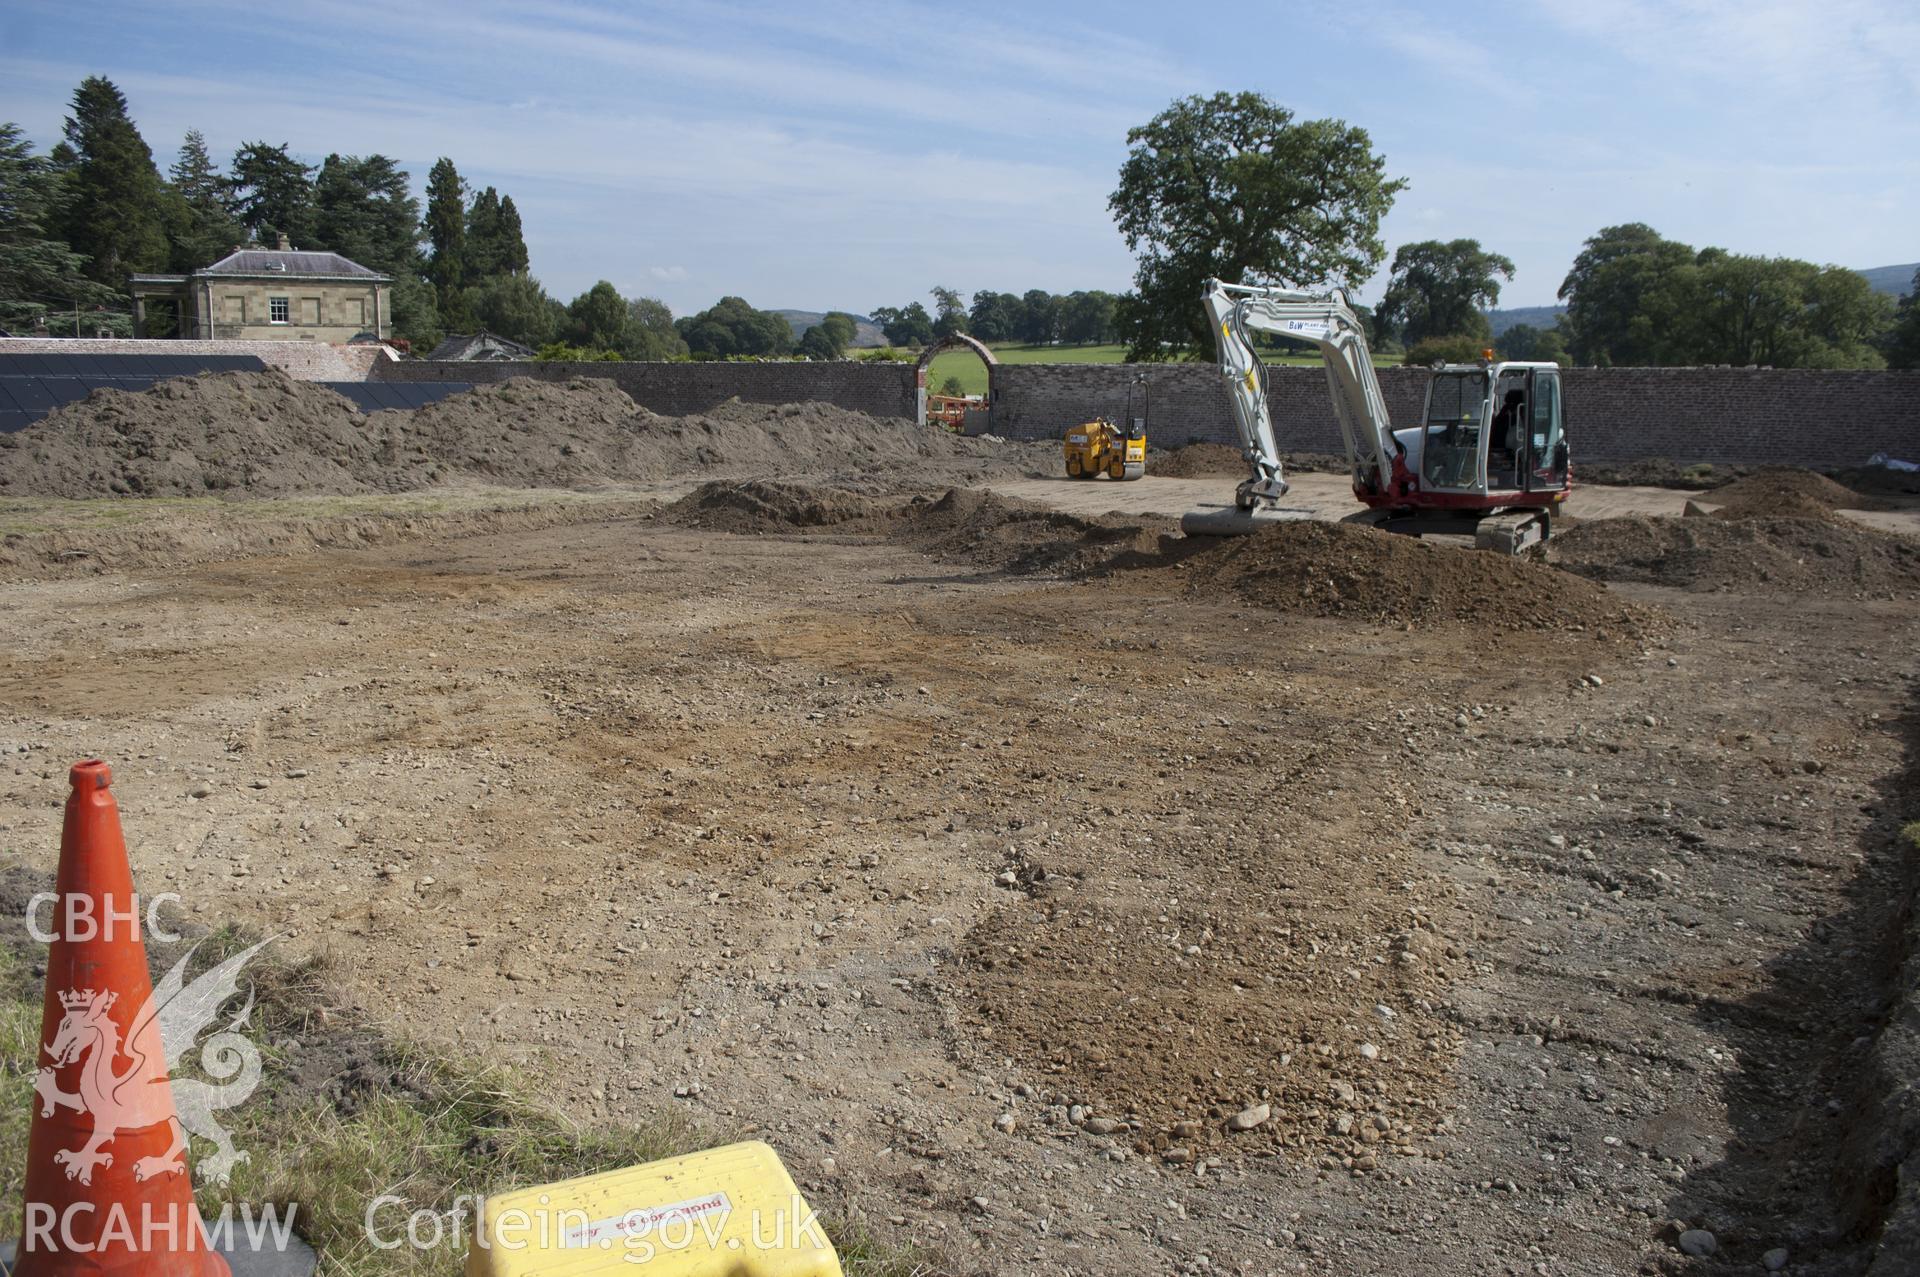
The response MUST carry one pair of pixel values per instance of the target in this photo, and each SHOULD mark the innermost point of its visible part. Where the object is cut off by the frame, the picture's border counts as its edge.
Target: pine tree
(446, 227)
(115, 215)
(273, 194)
(38, 273)
(364, 209)
(513, 244)
(483, 238)
(207, 230)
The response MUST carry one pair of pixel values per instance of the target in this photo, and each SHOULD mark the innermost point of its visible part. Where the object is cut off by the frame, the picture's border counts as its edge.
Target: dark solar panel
(7, 402)
(64, 390)
(385, 395)
(12, 421)
(24, 366)
(29, 394)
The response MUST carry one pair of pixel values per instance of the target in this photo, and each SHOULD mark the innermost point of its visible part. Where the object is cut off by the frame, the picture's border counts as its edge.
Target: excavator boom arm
(1327, 322)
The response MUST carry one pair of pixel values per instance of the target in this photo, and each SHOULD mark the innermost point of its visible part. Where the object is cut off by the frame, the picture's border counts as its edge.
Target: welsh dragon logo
(136, 1097)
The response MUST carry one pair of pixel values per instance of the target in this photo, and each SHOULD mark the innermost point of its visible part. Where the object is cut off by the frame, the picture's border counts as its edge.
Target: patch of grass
(972, 373)
(416, 1125)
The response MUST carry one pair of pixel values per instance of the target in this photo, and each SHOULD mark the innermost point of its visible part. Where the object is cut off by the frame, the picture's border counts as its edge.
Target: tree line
(1037, 318)
(78, 220)
(1234, 187)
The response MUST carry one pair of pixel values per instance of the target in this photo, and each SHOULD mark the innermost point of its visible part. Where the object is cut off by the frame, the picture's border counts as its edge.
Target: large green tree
(1233, 186)
(1624, 302)
(994, 316)
(273, 194)
(949, 312)
(446, 228)
(1040, 316)
(908, 325)
(38, 271)
(1782, 312)
(1087, 318)
(732, 327)
(1903, 342)
(650, 334)
(515, 307)
(599, 318)
(365, 210)
(1442, 289)
(207, 229)
(484, 257)
(513, 240)
(1636, 298)
(416, 312)
(1530, 344)
(115, 216)
(829, 338)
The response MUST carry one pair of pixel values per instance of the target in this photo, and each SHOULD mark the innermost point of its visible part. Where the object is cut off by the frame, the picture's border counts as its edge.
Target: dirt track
(862, 851)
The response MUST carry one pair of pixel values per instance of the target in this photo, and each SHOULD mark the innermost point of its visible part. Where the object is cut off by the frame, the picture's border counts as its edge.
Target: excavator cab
(1492, 431)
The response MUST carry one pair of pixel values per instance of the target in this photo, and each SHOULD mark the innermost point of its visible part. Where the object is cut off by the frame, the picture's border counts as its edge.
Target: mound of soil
(1023, 537)
(257, 434)
(518, 434)
(1343, 570)
(760, 505)
(1819, 556)
(1198, 461)
(1787, 492)
(1657, 472)
(264, 435)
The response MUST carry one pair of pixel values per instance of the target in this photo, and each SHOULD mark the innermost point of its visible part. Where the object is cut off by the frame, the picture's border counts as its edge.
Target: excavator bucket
(1227, 521)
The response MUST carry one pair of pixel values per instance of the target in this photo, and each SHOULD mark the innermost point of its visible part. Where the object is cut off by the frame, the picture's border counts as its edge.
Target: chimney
(283, 245)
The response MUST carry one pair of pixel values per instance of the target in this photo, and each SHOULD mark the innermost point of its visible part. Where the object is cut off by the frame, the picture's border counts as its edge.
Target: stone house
(270, 294)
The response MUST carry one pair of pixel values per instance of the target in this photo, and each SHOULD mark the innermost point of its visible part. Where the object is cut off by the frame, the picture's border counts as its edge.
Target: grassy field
(973, 374)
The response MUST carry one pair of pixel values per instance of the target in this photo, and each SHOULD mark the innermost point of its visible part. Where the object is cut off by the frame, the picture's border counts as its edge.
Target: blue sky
(850, 155)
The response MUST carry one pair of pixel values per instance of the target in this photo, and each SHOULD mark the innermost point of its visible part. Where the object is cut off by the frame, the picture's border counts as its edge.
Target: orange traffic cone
(108, 1191)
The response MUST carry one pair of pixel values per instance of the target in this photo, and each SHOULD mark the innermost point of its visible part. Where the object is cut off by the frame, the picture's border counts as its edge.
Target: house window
(278, 311)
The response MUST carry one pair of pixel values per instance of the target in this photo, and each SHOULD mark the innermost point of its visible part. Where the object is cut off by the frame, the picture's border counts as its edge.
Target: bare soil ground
(991, 861)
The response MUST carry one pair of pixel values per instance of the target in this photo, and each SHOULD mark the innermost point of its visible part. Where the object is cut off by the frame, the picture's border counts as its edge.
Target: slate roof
(481, 345)
(284, 262)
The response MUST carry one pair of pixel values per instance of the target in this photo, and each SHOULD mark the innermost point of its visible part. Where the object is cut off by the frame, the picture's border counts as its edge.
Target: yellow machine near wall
(1100, 447)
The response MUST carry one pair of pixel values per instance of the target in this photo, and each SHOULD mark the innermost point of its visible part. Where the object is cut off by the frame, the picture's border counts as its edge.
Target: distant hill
(865, 333)
(1538, 316)
(1894, 281)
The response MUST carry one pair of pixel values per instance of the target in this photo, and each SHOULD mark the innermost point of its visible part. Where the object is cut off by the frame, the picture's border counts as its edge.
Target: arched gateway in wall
(957, 341)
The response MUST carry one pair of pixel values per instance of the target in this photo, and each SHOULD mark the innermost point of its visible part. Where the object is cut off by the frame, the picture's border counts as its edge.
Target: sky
(848, 155)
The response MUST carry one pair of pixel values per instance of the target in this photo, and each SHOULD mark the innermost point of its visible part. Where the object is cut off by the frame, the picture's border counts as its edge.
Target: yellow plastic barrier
(732, 1211)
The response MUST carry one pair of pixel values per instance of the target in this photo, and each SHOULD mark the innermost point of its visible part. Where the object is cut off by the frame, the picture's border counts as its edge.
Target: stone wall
(1720, 415)
(301, 360)
(677, 389)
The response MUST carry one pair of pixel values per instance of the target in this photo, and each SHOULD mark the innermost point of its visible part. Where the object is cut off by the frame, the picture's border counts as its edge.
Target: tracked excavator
(1489, 458)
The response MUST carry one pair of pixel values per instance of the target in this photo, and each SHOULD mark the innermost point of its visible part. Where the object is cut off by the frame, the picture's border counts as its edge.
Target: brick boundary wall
(679, 389)
(1740, 416)
(1727, 416)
